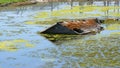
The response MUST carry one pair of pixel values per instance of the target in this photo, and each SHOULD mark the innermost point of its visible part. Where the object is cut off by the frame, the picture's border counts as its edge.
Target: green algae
(89, 50)
(96, 53)
(79, 12)
(113, 27)
(14, 45)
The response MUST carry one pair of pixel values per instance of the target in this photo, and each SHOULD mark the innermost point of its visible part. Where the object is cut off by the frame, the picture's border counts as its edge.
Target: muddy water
(22, 47)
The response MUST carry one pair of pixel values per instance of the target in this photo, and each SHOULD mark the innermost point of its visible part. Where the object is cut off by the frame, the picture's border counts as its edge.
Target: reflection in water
(60, 39)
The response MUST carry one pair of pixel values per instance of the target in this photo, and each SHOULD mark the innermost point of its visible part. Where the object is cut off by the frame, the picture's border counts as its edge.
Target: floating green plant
(79, 12)
(113, 27)
(116, 14)
(13, 45)
(56, 13)
(42, 15)
(114, 33)
(106, 8)
(92, 51)
(30, 22)
(111, 21)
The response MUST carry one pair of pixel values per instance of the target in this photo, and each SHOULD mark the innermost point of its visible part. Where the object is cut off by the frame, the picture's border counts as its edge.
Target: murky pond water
(21, 46)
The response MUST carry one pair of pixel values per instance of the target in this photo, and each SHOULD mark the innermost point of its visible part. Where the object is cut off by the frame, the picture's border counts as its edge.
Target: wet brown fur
(82, 24)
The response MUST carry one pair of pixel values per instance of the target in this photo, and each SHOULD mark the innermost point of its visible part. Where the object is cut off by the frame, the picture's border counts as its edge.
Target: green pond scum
(92, 50)
(89, 50)
(77, 10)
(23, 46)
(13, 45)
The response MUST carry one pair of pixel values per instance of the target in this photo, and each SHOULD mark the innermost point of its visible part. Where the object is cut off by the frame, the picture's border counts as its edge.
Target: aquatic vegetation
(13, 45)
(116, 14)
(88, 50)
(114, 33)
(56, 13)
(30, 23)
(42, 15)
(88, 9)
(110, 21)
(66, 51)
(80, 12)
(8, 1)
(57, 37)
(93, 52)
(106, 8)
(113, 27)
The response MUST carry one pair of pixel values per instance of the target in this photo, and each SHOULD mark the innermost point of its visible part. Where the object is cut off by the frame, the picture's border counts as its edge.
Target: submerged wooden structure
(75, 27)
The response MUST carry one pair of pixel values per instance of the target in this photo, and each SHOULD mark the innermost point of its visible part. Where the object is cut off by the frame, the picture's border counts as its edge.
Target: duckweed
(30, 23)
(13, 45)
(88, 50)
(113, 27)
(80, 12)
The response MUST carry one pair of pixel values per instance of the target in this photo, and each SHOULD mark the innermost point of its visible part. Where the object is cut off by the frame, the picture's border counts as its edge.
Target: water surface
(21, 46)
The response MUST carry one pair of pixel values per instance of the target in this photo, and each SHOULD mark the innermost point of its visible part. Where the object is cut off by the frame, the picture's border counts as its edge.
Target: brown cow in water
(87, 26)
(84, 26)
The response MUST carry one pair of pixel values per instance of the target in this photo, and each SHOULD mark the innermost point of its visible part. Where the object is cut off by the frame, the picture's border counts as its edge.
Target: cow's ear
(101, 21)
(96, 19)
